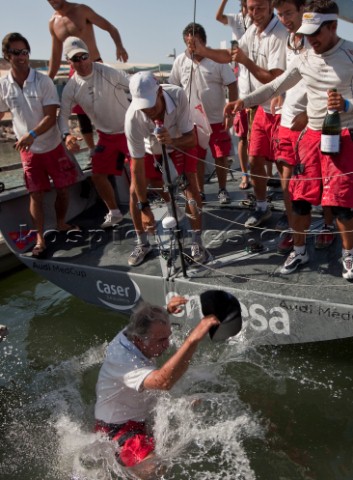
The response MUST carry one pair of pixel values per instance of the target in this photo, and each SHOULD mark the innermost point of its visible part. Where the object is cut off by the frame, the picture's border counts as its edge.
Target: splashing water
(239, 412)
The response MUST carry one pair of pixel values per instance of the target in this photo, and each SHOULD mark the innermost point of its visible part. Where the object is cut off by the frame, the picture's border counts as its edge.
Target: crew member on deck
(78, 20)
(320, 179)
(100, 90)
(167, 104)
(204, 82)
(32, 100)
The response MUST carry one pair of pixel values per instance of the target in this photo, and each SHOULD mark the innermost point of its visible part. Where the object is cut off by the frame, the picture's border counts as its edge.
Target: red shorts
(263, 134)
(220, 143)
(135, 444)
(332, 183)
(39, 167)
(287, 145)
(109, 154)
(183, 162)
(241, 124)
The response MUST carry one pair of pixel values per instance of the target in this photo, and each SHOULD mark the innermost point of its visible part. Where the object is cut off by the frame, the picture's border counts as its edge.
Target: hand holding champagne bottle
(331, 131)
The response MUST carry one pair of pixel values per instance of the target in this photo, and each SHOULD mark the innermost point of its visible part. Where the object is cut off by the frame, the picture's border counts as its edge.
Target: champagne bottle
(331, 133)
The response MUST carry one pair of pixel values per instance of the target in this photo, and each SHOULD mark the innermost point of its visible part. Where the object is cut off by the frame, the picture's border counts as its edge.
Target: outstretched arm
(101, 22)
(261, 74)
(218, 55)
(165, 377)
(278, 86)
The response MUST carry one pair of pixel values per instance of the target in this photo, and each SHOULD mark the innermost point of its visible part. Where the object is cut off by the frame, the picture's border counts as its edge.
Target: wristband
(65, 135)
(346, 105)
(33, 133)
(142, 205)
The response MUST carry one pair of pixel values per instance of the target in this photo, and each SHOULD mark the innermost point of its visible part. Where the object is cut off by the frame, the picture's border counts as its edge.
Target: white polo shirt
(101, 95)
(26, 106)
(296, 100)
(239, 26)
(267, 49)
(208, 81)
(119, 390)
(139, 128)
(320, 72)
(238, 23)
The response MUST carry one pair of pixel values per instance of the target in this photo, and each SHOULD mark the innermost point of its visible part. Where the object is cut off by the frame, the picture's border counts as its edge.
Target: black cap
(228, 311)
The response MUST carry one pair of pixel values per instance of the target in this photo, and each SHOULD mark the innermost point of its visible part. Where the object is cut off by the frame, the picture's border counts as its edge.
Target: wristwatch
(64, 135)
(142, 205)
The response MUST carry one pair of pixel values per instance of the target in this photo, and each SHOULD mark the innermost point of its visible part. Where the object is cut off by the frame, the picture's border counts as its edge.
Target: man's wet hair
(10, 38)
(195, 29)
(142, 319)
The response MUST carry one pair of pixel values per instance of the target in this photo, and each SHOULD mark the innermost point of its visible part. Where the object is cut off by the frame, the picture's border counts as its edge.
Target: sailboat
(312, 304)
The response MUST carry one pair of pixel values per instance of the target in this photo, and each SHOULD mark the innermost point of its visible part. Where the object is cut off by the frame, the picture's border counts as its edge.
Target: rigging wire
(219, 272)
(192, 53)
(293, 179)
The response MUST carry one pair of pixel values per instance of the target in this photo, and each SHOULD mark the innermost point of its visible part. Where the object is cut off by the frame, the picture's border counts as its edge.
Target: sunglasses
(17, 51)
(296, 49)
(79, 58)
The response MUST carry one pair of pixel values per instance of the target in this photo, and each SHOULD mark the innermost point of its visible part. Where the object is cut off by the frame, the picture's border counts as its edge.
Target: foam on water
(201, 436)
(239, 412)
(199, 427)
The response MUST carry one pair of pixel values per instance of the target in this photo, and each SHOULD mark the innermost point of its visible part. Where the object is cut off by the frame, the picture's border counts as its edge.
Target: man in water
(319, 178)
(32, 99)
(100, 90)
(78, 20)
(129, 379)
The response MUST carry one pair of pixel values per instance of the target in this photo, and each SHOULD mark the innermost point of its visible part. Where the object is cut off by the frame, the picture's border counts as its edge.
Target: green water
(265, 413)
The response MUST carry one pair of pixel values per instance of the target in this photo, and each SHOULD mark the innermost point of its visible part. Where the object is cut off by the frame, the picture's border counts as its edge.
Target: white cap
(143, 88)
(312, 21)
(74, 45)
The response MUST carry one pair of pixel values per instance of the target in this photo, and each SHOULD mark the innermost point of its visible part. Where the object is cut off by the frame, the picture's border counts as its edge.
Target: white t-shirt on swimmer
(208, 81)
(119, 390)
